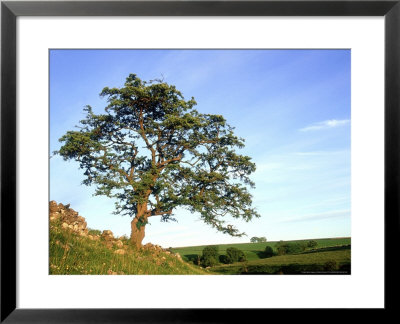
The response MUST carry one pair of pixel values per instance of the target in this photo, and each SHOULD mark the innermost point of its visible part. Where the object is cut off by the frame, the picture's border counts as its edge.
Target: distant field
(308, 261)
(253, 251)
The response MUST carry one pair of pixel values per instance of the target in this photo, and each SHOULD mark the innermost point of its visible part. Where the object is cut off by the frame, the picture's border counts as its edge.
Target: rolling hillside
(332, 255)
(76, 250)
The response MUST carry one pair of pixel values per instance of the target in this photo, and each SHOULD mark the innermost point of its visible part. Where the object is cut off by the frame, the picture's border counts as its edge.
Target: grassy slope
(311, 260)
(253, 251)
(73, 254)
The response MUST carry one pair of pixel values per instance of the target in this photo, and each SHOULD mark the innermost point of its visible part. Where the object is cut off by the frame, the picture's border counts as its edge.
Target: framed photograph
(263, 135)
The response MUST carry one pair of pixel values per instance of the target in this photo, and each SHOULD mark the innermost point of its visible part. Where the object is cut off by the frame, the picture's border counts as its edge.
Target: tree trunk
(137, 233)
(137, 226)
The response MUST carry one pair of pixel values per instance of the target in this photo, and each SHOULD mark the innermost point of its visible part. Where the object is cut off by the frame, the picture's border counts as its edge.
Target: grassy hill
(76, 249)
(74, 254)
(253, 250)
(333, 254)
(336, 260)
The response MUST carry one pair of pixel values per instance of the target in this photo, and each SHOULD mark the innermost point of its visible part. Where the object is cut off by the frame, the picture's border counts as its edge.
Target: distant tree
(223, 259)
(256, 239)
(312, 244)
(153, 152)
(197, 260)
(268, 252)
(209, 256)
(281, 247)
(295, 248)
(290, 247)
(235, 255)
(303, 245)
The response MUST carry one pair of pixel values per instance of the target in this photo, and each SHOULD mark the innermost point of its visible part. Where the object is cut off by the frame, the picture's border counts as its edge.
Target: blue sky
(292, 107)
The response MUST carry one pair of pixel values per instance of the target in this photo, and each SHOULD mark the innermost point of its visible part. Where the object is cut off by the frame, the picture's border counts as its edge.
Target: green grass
(314, 261)
(253, 251)
(76, 255)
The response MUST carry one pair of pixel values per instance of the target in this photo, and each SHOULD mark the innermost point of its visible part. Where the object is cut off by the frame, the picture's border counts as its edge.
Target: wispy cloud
(326, 124)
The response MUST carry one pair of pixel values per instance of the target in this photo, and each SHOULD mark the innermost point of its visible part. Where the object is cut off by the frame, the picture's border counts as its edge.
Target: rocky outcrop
(152, 247)
(156, 249)
(68, 218)
(108, 238)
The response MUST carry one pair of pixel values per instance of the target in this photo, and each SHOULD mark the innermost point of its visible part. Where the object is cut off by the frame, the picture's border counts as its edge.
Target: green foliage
(281, 247)
(209, 257)
(268, 252)
(255, 251)
(153, 152)
(312, 244)
(235, 255)
(142, 221)
(290, 247)
(292, 263)
(256, 239)
(197, 260)
(223, 259)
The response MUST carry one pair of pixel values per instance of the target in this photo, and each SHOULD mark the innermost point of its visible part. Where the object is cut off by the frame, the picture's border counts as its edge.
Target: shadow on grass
(297, 269)
(261, 254)
(330, 248)
(191, 257)
(291, 269)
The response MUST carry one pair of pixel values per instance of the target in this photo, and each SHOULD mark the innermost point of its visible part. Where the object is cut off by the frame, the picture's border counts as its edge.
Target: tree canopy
(152, 152)
(256, 239)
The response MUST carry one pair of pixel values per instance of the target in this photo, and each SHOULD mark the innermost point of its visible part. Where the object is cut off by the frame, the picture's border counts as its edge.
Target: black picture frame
(10, 10)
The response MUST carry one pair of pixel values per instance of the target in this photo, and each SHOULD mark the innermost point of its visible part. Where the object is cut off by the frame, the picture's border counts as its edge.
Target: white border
(365, 37)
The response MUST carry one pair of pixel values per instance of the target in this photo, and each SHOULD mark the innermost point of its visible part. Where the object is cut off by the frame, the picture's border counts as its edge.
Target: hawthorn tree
(152, 152)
